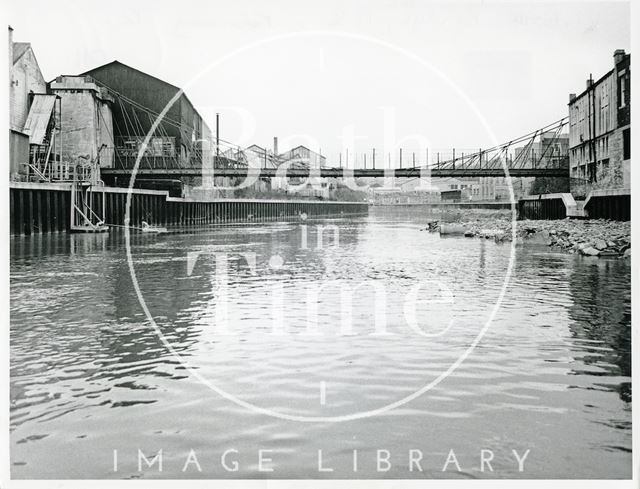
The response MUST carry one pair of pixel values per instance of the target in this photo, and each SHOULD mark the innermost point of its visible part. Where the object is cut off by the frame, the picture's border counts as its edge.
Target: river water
(387, 351)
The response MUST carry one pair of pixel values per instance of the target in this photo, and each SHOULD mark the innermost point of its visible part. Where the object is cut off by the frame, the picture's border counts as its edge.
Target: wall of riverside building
(25, 78)
(18, 152)
(41, 208)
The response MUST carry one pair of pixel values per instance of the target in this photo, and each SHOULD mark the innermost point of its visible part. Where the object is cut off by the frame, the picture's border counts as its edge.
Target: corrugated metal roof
(38, 118)
(119, 64)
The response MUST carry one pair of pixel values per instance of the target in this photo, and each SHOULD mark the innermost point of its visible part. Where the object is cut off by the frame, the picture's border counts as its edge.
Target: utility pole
(594, 158)
(400, 157)
(217, 135)
(374, 158)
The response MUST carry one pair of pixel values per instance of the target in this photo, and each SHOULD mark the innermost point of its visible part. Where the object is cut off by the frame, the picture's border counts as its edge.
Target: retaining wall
(609, 204)
(43, 208)
(546, 206)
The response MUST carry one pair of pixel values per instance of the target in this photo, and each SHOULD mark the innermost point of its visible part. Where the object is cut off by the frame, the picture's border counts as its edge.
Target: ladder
(84, 218)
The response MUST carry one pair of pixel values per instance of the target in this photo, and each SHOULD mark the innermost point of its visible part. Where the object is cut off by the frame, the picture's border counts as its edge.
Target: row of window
(158, 146)
(591, 171)
(582, 154)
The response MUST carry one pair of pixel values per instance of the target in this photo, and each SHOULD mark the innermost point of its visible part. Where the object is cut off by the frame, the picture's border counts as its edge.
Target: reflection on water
(89, 375)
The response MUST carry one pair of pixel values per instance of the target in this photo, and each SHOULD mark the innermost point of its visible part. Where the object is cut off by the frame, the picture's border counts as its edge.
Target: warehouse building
(181, 140)
(599, 131)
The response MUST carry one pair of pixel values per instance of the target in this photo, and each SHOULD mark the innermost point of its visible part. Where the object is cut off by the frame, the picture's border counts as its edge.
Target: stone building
(87, 122)
(599, 131)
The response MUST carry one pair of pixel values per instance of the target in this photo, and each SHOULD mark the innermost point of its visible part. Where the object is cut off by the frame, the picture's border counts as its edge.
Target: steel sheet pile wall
(614, 207)
(41, 210)
(38, 210)
(542, 209)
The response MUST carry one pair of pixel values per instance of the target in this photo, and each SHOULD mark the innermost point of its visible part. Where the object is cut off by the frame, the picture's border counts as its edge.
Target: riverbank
(596, 237)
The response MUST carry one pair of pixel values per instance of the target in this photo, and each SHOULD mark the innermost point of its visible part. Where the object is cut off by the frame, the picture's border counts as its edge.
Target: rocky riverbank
(587, 237)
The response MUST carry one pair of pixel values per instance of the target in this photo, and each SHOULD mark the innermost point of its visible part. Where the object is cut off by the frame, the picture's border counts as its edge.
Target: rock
(469, 234)
(599, 244)
(489, 233)
(627, 253)
(542, 237)
(452, 229)
(589, 251)
(608, 253)
(432, 226)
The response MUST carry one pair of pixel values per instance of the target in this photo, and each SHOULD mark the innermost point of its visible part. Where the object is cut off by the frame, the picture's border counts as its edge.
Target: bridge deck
(340, 172)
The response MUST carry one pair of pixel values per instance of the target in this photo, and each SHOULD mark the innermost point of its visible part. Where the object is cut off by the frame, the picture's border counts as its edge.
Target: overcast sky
(417, 68)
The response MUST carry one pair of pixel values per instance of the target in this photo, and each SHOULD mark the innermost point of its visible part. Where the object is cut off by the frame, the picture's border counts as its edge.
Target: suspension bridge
(540, 153)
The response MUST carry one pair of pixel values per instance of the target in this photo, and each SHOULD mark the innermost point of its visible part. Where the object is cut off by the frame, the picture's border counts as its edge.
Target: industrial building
(302, 154)
(87, 122)
(182, 138)
(33, 115)
(303, 157)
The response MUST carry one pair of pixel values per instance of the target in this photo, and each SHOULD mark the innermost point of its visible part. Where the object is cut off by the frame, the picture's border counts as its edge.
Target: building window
(591, 168)
(623, 88)
(626, 144)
